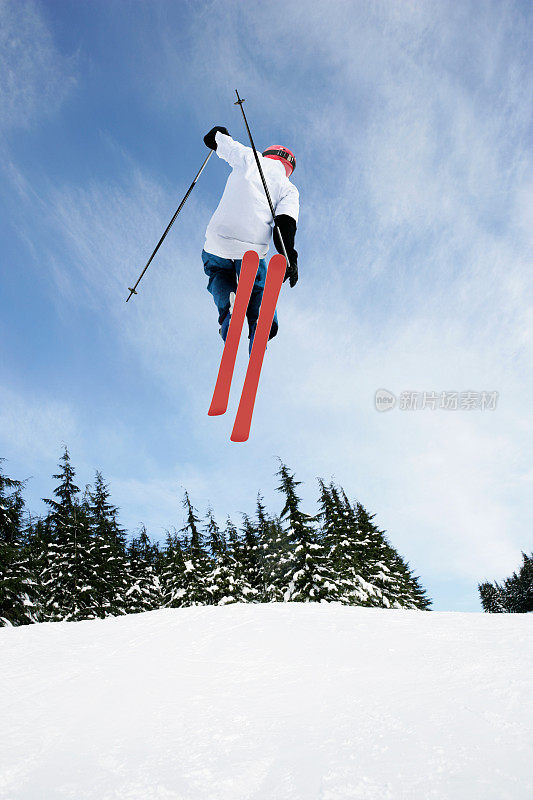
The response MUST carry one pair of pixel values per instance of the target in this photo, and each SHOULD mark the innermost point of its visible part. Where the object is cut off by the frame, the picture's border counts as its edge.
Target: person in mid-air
(243, 221)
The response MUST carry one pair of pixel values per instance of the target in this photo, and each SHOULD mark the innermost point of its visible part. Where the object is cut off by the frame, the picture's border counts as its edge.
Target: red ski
(274, 279)
(219, 403)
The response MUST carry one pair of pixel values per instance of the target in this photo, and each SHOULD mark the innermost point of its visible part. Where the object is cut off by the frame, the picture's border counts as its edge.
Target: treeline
(514, 596)
(78, 563)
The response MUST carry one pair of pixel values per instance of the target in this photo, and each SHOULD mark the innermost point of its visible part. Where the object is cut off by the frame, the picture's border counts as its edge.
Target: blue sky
(411, 125)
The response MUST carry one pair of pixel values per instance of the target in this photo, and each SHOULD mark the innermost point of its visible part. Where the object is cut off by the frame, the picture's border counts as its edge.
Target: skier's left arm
(286, 219)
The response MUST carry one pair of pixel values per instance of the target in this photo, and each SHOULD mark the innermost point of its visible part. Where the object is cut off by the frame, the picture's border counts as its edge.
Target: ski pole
(160, 242)
(239, 103)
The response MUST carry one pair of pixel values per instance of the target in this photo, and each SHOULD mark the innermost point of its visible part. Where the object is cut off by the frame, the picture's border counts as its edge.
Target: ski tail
(249, 266)
(274, 280)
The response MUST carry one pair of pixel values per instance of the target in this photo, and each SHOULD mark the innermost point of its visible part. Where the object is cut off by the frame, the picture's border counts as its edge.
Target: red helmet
(282, 154)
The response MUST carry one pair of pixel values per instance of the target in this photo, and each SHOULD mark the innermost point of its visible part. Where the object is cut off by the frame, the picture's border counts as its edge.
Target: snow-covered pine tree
(407, 589)
(197, 561)
(364, 550)
(221, 578)
(382, 567)
(216, 542)
(242, 590)
(108, 552)
(251, 559)
(518, 589)
(38, 537)
(375, 567)
(418, 593)
(68, 582)
(340, 539)
(17, 586)
(516, 594)
(491, 598)
(173, 573)
(308, 577)
(274, 549)
(145, 592)
(233, 542)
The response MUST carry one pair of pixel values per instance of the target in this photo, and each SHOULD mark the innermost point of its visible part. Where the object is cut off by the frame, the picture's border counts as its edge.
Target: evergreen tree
(17, 587)
(491, 598)
(519, 588)
(393, 585)
(38, 536)
(341, 539)
(221, 582)
(173, 573)
(251, 559)
(406, 587)
(241, 590)
(68, 582)
(197, 563)
(216, 542)
(516, 594)
(372, 555)
(234, 543)
(308, 577)
(108, 555)
(145, 592)
(274, 552)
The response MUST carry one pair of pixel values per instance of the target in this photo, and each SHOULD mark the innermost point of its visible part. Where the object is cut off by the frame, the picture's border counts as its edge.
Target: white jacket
(243, 220)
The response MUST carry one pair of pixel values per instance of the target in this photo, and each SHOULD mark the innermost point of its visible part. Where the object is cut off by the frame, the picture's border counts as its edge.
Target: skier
(243, 221)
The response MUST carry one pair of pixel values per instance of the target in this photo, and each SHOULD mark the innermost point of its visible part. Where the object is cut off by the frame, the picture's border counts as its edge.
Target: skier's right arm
(235, 153)
(210, 138)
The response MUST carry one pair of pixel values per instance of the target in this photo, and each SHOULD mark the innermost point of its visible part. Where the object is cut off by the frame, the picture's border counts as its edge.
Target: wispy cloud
(108, 232)
(32, 427)
(35, 77)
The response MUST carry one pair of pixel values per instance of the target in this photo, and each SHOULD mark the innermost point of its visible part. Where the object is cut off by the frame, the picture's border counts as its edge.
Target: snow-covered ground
(269, 702)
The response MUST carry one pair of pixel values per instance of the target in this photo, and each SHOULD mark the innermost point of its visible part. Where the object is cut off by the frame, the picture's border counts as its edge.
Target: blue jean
(222, 274)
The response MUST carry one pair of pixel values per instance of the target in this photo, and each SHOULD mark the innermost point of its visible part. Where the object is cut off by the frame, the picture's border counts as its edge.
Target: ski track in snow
(269, 702)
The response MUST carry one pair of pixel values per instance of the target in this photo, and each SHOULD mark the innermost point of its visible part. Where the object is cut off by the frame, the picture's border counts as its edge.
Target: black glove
(287, 227)
(291, 273)
(209, 138)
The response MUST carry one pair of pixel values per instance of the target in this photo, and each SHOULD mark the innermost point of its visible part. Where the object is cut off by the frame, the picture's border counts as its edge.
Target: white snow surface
(269, 702)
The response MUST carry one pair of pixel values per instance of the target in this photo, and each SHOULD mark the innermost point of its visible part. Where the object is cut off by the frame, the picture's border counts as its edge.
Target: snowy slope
(269, 702)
